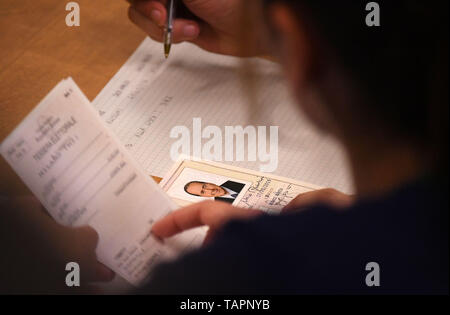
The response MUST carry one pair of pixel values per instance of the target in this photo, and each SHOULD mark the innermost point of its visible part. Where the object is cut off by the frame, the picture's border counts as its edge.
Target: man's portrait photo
(193, 186)
(227, 192)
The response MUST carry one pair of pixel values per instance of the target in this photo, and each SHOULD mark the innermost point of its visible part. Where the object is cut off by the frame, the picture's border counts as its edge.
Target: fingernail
(156, 16)
(190, 31)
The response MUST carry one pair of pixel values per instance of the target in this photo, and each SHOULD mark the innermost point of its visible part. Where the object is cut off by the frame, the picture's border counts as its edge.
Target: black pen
(169, 27)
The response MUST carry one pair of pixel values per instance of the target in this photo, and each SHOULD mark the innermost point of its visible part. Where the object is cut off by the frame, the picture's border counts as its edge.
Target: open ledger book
(150, 95)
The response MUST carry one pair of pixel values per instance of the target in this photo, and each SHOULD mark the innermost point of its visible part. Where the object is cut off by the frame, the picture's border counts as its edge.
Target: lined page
(149, 96)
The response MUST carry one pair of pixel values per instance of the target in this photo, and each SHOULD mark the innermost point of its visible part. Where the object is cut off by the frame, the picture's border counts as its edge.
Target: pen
(169, 27)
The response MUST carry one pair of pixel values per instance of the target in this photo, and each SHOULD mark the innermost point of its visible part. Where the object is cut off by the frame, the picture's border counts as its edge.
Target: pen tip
(167, 50)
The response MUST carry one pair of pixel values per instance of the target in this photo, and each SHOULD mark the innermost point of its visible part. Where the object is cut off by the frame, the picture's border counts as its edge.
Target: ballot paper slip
(83, 176)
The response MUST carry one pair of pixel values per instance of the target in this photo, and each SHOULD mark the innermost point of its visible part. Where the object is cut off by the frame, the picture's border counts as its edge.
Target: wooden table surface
(38, 49)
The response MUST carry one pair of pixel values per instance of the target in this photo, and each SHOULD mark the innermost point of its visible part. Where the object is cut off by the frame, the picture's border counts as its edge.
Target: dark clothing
(236, 187)
(323, 250)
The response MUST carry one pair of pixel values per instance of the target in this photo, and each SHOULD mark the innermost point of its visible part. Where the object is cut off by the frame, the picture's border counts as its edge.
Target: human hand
(215, 25)
(79, 245)
(37, 250)
(209, 213)
(216, 214)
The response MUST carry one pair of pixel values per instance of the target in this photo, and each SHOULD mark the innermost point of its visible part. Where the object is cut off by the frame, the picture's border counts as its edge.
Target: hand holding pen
(210, 24)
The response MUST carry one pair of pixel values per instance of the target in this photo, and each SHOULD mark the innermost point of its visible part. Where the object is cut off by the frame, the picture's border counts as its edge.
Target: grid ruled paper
(149, 96)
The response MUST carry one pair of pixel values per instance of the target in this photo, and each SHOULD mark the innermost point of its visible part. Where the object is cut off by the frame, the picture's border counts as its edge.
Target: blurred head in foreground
(382, 90)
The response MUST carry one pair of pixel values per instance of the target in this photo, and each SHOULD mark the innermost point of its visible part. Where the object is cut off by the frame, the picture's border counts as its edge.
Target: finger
(190, 217)
(154, 31)
(183, 30)
(94, 271)
(154, 10)
(132, 2)
(91, 269)
(147, 7)
(329, 197)
(101, 273)
(88, 235)
(209, 213)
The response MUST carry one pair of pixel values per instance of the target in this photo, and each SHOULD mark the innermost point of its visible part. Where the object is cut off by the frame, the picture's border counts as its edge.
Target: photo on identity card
(194, 185)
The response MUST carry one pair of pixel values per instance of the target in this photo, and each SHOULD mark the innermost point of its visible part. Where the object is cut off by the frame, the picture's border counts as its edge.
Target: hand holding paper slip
(83, 176)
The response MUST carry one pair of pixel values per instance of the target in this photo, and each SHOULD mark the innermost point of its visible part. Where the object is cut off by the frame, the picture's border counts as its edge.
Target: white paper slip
(83, 176)
(149, 96)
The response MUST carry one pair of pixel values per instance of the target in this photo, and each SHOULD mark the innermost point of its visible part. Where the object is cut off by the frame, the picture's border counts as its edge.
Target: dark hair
(189, 184)
(400, 68)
